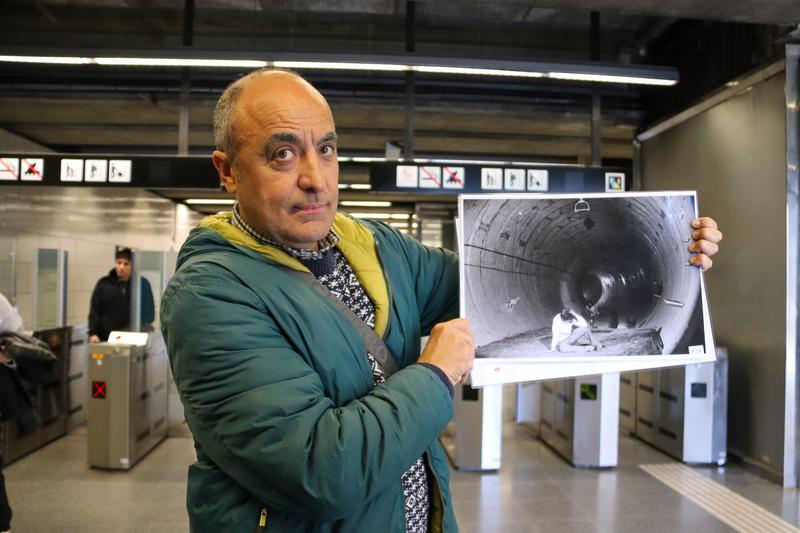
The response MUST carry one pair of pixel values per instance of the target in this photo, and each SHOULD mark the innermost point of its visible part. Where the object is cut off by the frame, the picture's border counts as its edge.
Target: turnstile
(49, 402)
(76, 376)
(579, 419)
(127, 407)
(526, 408)
(683, 410)
(477, 432)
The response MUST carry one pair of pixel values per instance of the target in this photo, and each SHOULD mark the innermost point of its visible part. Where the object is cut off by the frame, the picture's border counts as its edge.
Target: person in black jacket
(111, 300)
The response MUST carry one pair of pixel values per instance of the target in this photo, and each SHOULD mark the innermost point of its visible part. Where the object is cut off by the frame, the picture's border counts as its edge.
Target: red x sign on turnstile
(99, 389)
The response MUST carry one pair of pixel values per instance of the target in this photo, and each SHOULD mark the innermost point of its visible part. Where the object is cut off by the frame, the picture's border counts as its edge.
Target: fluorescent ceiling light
(365, 203)
(376, 216)
(577, 76)
(211, 201)
(329, 65)
(573, 72)
(369, 159)
(176, 62)
(400, 216)
(47, 59)
(344, 186)
(479, 71)
(361, 186)
(403, 225)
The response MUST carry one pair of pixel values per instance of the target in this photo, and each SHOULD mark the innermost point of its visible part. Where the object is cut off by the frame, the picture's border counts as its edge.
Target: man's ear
(225, 170)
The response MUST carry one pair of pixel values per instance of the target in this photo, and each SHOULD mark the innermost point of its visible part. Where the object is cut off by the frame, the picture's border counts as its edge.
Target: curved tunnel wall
(526, 259)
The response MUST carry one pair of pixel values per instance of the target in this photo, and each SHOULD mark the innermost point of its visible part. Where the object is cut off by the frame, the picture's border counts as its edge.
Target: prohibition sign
(32, 169)
(430, 177)
(454, 177)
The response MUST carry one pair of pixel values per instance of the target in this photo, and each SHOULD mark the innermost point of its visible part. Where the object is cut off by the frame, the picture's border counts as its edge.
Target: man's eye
(284, 154)
(327, 150)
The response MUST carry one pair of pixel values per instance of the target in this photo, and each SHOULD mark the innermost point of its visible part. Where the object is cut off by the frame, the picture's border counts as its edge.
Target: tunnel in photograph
(621, 262)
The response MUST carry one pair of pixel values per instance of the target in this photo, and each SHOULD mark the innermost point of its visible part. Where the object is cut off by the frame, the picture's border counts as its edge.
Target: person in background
(21, 358)
(9, 317)
(111, 300)
(9, 321)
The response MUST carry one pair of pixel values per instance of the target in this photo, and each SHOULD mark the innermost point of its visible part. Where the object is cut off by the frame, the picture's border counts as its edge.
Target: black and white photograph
(591, 278)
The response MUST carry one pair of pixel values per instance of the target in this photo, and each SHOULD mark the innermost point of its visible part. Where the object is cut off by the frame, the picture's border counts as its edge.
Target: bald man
(298, 425)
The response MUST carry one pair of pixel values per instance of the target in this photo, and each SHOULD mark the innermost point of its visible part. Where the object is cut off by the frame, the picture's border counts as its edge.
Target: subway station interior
(106, 135)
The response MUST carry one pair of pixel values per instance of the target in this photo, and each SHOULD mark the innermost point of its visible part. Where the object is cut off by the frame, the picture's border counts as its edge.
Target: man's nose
(311, 176)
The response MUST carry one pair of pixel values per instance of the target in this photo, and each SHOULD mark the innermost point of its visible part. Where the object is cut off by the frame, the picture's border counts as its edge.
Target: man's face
(285, 173)
(123, 268)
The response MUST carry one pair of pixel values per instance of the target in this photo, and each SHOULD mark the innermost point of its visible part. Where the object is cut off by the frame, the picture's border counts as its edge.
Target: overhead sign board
(78, 170)
(456, 178)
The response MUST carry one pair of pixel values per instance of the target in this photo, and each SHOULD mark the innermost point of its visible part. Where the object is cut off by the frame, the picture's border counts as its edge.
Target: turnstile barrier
(127, 406)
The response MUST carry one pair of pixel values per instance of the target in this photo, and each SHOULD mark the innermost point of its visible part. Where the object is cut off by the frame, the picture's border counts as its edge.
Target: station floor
(535, 491)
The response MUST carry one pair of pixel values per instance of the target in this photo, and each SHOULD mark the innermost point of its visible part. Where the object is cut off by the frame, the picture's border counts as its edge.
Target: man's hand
(3, 358)
(705, 239)
(451, 347)
(93, 339)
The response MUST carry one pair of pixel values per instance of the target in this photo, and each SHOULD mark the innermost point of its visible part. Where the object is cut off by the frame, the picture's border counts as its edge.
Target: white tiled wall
(88, 223)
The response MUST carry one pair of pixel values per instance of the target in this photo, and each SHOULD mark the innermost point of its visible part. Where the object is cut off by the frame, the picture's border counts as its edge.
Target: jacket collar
(356, 242)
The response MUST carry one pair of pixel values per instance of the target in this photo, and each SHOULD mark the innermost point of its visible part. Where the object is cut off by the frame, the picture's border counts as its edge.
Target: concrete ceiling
(130, 110)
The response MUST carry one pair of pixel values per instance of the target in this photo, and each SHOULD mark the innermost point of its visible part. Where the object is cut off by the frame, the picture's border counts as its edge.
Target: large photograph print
(567, 285)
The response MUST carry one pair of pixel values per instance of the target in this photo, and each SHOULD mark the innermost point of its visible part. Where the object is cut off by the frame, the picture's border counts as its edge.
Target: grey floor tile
(535, 491)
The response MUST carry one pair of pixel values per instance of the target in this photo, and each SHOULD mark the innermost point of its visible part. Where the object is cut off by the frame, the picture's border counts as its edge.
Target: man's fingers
(704, 222)
(707, 234)
(702, 261)
(704, 247)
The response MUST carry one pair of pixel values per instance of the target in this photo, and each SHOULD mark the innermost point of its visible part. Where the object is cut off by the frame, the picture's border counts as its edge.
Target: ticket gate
(127, 407)
(50, 402)
(579, 419)
(682, 411)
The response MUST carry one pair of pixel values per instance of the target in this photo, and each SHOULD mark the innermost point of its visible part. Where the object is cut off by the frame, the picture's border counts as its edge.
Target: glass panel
(7, 264)
(150, 276)
(48, 301)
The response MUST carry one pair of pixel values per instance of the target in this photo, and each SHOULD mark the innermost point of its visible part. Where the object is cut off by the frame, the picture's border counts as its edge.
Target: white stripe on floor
(734, 510)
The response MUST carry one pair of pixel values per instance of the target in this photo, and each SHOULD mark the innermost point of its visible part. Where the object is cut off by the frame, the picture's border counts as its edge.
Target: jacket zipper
(388, 289)
(262, 520)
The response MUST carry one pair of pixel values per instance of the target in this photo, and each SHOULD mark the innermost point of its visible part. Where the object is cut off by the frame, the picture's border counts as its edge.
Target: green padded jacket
(290, 434)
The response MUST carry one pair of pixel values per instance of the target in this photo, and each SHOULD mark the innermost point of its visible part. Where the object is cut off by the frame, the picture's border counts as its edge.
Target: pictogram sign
(453, 177)
(407, 176)
(514, 179)
(537, 180)
(9, 168)
(492, 179)
(615, 182)
(95, 170)
(72, 170)
(32, 169)
(430, 177)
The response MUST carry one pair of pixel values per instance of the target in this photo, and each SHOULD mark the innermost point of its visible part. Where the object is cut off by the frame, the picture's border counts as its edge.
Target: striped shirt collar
(304, 254)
